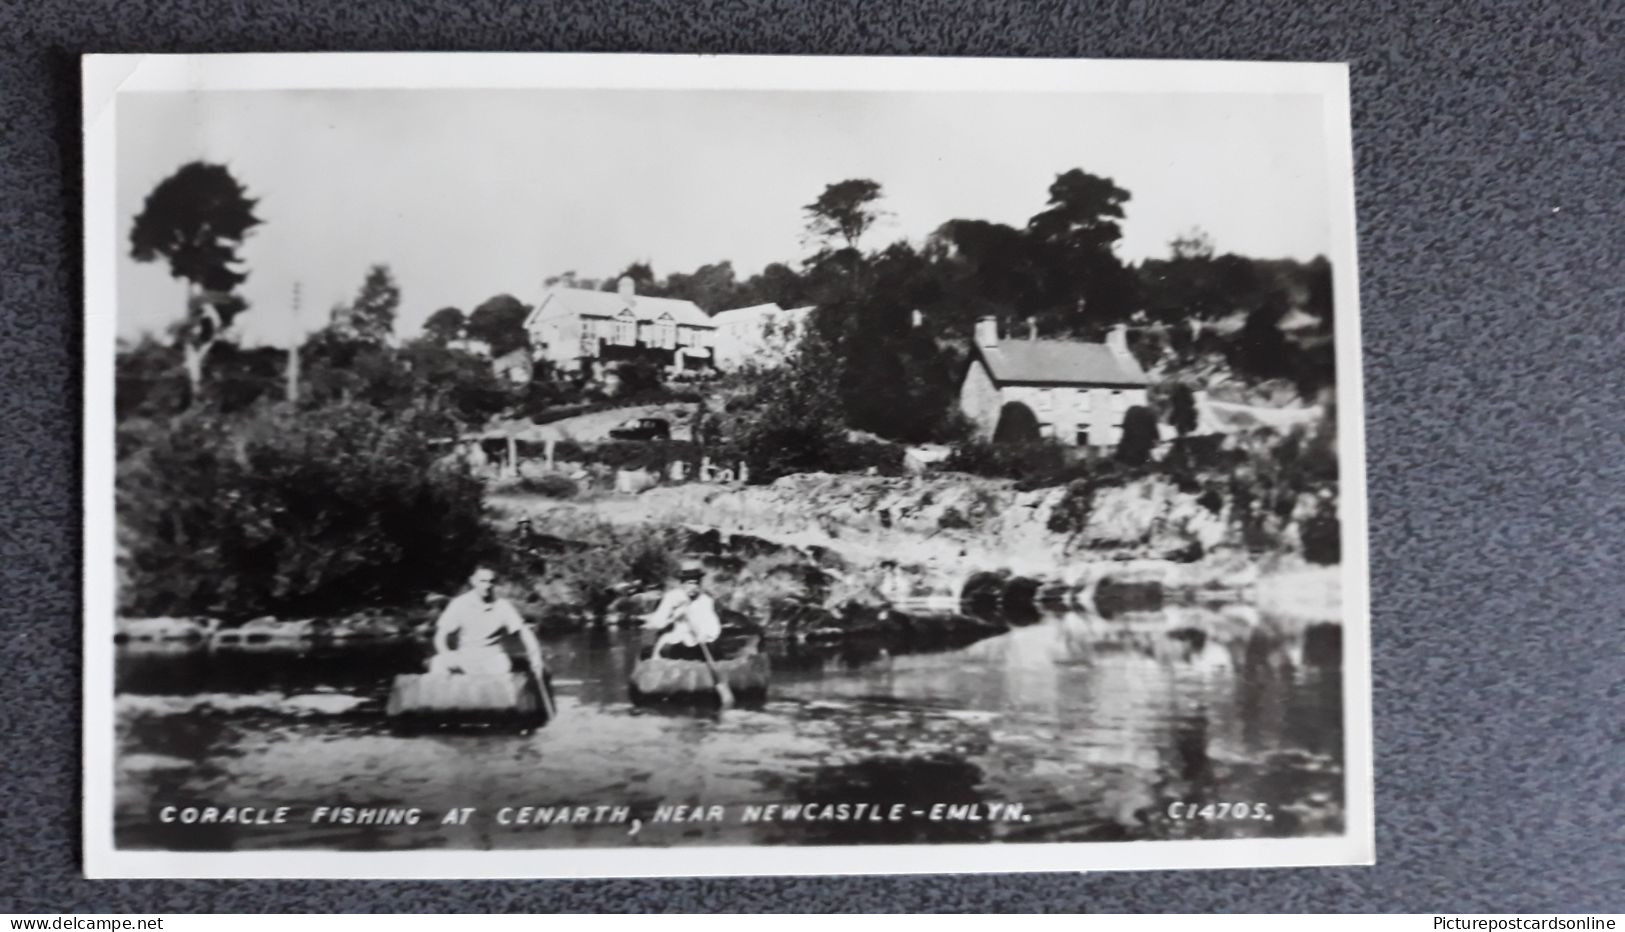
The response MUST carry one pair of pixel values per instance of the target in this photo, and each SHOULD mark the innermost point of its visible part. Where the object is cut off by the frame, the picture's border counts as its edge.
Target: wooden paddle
(725, 694)
(539, 670)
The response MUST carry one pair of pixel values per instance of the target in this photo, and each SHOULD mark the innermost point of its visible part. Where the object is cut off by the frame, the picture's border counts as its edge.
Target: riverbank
(944, 532)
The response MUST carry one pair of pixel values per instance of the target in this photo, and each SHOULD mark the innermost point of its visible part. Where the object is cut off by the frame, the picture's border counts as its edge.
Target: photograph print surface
(536, 465)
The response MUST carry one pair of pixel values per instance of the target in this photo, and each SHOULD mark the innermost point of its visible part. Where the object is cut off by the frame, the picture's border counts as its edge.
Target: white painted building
(576, 328)
(764, 334)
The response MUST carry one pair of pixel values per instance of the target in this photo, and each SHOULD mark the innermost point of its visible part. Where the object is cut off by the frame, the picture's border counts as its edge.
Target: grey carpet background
(1490, 192)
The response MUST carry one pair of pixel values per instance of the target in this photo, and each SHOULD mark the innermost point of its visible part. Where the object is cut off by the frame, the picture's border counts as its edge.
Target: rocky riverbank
(823, 560)
(947, 534)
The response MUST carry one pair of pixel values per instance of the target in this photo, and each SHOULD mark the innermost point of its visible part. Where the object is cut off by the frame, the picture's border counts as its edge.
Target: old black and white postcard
(524, 465)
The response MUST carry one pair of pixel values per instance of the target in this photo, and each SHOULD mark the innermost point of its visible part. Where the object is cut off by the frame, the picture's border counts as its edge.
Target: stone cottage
(1077, 392)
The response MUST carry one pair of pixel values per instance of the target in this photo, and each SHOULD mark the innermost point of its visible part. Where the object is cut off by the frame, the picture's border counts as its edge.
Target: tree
(846, 209)
(500, 322)
(1193, 244)
(1083, 209)
(148, 380)
(1139, 436)
(712, 286)
(1084, 285)
(293, 512)
(1182, 409)
(777, 284)
(371, 318)
(457, 384)
(1017, 424)
(197, 219)
(445, 325)
(897, 381)
(1319, 299)
(640, 377)
(798, 425)
(1262, 351)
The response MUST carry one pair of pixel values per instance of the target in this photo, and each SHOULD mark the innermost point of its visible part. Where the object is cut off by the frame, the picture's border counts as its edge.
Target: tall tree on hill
(897, 382)
(445, 325)
(500, 322)
(1084, 283)
(846, 209)
(197, 219)
(371, 317)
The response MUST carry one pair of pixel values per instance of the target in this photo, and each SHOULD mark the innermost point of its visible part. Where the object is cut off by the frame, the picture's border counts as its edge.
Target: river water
(1080, 728)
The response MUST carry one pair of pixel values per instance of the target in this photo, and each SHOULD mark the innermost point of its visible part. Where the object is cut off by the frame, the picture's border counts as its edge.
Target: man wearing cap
(688, 617)
(481, 621)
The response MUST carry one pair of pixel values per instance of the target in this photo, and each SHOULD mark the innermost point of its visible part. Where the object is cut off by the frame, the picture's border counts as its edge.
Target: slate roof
(740, 315)
(758, 316)
(1060, 362)
(587, 303)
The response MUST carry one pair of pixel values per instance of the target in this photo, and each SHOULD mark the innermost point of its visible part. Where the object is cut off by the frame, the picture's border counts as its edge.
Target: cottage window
(626, 329)
(1086, 402)
(665, 332)
(1082, 437)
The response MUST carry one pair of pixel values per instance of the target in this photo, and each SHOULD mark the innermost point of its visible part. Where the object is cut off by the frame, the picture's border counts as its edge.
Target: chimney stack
(626, 287)
(916, 318)
(987, 332)
(1032, 329)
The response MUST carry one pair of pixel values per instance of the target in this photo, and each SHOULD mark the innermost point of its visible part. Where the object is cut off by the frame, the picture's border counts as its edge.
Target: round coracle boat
(738, 659)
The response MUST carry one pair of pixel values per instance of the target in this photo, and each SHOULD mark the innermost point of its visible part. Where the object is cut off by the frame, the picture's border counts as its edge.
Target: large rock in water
(898, 632)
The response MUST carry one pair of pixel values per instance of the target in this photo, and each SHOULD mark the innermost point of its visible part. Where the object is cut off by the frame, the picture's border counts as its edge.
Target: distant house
(1076, 392)
(763, 333)
(514, 366)
(579, 330)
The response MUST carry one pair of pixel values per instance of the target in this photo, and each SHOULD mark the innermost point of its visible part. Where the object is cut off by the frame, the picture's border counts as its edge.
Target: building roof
(646, 309)
(1061, 362)
(757, 313)
(520, 356)
(740, 315)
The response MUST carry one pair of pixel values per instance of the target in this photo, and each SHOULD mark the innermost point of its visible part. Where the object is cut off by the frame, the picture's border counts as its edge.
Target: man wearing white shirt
(480, 621)
(689, 617)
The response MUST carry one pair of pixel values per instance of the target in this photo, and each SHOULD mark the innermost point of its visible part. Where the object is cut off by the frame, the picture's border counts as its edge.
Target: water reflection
(1092, 725)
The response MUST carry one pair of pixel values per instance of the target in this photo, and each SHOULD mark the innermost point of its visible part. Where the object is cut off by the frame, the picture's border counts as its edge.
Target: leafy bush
(1139, 436)
(640, 378)
(1322, 537)
(1039, 461)
(1071, 513)
(798, 424)
(884, 458)
(643, 557)
(292, 512)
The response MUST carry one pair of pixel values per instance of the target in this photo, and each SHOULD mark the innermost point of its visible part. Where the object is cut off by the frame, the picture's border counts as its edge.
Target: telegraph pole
(293, 348)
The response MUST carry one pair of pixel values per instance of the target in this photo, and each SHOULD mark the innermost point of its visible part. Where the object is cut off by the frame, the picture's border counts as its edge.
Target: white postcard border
(107, 76)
